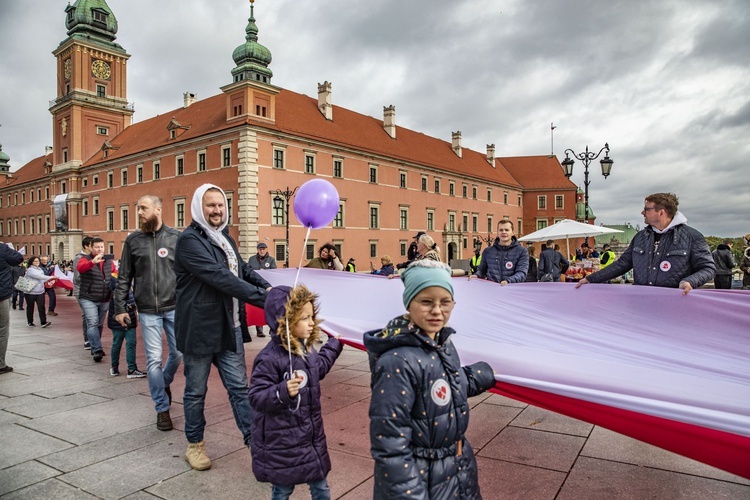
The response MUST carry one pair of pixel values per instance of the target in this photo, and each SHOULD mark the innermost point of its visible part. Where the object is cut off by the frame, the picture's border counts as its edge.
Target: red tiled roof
(32, 171)
(298, 115)
(537, 172)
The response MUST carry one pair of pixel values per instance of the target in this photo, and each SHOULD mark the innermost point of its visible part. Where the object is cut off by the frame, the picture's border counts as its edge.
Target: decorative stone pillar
(247, 194)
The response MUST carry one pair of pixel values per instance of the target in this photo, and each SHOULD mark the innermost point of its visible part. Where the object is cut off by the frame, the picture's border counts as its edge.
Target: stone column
(247, 194)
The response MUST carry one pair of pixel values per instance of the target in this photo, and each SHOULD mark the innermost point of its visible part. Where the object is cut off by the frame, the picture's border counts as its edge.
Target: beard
(150, 225)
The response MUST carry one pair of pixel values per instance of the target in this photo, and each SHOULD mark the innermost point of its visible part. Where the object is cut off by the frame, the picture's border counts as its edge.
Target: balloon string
(296, 279)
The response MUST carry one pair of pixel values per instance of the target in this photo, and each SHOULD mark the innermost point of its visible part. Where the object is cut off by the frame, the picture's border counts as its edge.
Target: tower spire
(252, 58)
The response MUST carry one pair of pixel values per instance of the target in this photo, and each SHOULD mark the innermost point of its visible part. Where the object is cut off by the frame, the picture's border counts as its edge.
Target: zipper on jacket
(156, 281)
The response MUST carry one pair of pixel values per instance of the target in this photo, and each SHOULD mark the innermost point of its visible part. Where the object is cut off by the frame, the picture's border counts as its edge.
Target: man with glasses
(667, 253)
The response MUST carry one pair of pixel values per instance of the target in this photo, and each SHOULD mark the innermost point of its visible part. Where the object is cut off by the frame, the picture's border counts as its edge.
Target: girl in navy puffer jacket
(288, 441)
(419, 410)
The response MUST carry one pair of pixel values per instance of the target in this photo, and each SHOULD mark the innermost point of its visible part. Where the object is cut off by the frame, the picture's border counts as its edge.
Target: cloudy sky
(666, 84)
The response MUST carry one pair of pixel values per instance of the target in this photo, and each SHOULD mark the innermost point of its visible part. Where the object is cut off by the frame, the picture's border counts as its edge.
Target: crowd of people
(190, 288)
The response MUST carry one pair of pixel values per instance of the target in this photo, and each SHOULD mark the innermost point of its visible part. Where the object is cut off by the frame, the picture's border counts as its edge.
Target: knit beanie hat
(422, 274)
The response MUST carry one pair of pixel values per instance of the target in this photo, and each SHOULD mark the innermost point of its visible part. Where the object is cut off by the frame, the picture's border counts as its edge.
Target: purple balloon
(316, 203)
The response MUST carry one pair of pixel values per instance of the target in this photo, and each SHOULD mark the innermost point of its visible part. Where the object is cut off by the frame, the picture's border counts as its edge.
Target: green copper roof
(92, 21)
(252, 58)
(4, 159)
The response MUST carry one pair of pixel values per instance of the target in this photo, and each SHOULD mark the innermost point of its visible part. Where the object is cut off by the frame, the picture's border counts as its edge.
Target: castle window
(226, 156)
(101, 91)
(102, 130)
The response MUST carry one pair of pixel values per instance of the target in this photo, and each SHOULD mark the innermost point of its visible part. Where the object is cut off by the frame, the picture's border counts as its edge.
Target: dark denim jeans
(233, 373)
(129, 337)
(319, 490)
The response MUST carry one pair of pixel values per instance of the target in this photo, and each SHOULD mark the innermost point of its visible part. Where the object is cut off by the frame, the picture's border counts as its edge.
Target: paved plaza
(68, 430)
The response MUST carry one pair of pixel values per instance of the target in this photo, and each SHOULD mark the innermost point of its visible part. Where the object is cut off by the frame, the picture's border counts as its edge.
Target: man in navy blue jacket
(505, 261)
(212, 283)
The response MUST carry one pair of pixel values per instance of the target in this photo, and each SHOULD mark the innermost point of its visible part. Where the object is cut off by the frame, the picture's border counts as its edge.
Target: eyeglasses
(428, 305)
(646, 209)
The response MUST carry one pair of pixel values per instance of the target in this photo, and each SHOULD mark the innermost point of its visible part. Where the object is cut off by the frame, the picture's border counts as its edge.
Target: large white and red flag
(669, 369)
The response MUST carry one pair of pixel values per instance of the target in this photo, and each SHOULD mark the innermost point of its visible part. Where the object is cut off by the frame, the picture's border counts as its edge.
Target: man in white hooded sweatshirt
(212, 282)
(667, 253)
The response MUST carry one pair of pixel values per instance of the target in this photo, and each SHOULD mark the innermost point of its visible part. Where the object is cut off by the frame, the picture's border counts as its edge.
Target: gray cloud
(665, 83)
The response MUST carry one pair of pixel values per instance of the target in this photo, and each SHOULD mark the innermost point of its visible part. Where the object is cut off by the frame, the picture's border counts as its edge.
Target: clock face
(101, 69)
(68, 66)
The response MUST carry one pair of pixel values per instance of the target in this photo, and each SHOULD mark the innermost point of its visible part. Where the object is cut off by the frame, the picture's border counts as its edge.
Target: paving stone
(347, 472)
(51, 488)
(361, 492)
(592, 479)
(55, 391)
(95, 422)
(130, 472)
(139, 495)
(30, 385)
(362, 380)
(24, 474)
(230, 476)
(537, 448)
(122, 387)
(19, 444)
(486, 421)
(544, 420)
(348, 430)
(610, 445)
(496, 399)
(7, 417)
(342, 396)
(44, 407)
(337, 376)
(78, 457)
(500, 480)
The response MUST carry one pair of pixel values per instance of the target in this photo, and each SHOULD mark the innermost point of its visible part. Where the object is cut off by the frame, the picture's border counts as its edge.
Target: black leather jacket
(147, 262)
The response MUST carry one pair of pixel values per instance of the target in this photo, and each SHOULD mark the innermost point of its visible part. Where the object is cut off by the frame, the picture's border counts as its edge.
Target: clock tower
(90, 108)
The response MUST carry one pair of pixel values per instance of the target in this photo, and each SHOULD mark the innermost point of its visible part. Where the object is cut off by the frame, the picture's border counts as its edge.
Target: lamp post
(278, 203)
(587, 157)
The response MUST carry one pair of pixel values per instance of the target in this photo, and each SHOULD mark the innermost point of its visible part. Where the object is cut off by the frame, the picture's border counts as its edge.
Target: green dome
(91, 18)
(4, 159)
(252, 59)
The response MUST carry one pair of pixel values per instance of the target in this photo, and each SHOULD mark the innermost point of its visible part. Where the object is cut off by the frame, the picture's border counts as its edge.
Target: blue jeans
(129, 337)
(159, 375)
(233, 373)
(318, 491)
(95, 313)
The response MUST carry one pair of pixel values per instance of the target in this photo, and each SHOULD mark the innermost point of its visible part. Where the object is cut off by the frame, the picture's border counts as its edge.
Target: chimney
(47, 150)
(456, 136)
(188, 98)
(324, 100)
(389, 120)
(491, 154)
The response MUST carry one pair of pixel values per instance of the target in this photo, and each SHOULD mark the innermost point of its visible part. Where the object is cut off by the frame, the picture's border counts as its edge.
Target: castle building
(255, 140)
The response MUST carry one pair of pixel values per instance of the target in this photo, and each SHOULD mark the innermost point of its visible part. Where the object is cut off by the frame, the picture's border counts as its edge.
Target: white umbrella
(567, 228)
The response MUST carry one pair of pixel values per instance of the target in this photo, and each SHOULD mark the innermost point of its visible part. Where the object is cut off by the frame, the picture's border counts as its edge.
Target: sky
(666, 84)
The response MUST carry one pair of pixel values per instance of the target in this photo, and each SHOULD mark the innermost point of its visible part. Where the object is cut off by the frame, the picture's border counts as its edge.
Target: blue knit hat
(423, 274)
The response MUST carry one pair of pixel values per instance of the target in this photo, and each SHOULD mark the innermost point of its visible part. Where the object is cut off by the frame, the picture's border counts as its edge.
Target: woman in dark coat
(288, 440)
(419, 410)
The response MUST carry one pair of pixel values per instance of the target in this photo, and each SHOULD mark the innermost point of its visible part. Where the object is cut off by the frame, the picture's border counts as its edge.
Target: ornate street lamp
(587, 157)
(279, 204)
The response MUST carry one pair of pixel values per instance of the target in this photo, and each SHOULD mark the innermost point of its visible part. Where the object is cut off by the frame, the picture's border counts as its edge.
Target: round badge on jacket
(303, 375)
(267, 264)
(665, 265)
(162, 252)
(440, 392)
(508, 265)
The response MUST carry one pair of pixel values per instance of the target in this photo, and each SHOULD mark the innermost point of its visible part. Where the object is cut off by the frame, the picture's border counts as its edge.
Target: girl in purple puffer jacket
(288, 441)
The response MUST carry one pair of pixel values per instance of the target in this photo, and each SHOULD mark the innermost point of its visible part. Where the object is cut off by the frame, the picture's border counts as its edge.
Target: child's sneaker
(136, 373)
(114, 371)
